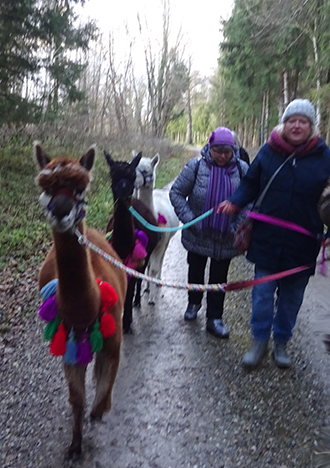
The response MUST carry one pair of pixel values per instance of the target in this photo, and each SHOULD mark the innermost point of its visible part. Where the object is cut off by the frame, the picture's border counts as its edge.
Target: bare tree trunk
(318, 74)
(262, 118)
(327, 136)
(167, 76)
(266, 117)
(189, 123)
(285, 90)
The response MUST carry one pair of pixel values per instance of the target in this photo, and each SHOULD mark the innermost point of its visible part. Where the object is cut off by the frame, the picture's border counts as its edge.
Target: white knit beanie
(301, 107)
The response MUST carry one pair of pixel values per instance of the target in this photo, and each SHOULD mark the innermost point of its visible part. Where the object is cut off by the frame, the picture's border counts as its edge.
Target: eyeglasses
(225, 152)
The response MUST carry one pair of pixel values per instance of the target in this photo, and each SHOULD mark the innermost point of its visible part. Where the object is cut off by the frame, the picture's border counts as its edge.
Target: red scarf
(278, 144)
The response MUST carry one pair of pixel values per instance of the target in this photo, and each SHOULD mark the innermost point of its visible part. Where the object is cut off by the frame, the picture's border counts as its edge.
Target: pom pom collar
(64, 343)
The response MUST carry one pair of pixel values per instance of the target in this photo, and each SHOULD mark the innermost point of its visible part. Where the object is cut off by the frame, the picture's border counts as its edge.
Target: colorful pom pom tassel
(84, 351)
(48, 310)
(49, 289)
(58, 344)
(109, 296)
(96, 338)
(107, 325)
(142, 237)
(51, 328)
(161, 219)
(70, 356)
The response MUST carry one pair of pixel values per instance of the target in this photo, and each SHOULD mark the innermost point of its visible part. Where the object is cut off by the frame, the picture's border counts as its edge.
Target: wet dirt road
(181, 398)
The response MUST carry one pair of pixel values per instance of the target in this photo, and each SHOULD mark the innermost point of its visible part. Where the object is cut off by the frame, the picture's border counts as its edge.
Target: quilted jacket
(188, 195)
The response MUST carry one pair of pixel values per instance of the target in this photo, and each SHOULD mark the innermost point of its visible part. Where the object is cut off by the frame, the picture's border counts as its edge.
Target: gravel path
(181, 398)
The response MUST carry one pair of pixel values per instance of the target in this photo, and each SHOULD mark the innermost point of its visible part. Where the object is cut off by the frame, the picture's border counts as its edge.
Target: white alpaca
(158, 201)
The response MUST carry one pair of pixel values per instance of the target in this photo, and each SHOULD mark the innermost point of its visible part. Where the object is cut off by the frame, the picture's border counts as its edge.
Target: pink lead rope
(279, 222)
(293, 227)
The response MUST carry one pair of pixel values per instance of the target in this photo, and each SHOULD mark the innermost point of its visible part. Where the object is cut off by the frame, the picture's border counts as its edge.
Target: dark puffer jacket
(188, 195)
(293, 196)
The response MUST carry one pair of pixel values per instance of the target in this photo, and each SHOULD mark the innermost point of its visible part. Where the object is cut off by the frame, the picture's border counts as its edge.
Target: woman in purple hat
(201, 185)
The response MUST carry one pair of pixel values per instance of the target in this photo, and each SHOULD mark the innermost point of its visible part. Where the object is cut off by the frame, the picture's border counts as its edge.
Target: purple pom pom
(84, 351)
(142, 237)
(48, 310)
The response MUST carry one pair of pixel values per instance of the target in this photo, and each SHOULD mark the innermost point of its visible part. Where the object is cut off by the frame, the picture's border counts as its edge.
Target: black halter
(147, 178)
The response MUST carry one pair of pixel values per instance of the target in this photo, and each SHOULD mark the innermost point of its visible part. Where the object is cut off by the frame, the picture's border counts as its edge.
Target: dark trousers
(218, 274)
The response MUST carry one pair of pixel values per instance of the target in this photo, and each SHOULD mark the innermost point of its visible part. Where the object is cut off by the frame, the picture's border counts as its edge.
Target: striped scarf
(278, 144)
(220, 189)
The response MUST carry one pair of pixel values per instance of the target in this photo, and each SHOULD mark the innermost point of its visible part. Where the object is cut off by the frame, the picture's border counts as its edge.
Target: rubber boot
(255, 354)
(280, 356)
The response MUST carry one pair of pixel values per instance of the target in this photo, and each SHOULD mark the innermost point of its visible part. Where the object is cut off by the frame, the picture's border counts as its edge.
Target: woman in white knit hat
(292, 196)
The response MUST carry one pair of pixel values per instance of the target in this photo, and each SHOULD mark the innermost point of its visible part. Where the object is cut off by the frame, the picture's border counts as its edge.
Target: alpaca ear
(155, 160)
(41, 156)
(136, 160)
(108, 159)
(87, 160)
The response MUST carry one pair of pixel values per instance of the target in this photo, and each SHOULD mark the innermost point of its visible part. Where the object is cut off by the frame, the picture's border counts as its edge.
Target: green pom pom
(96, 338)
(51, 328)
(108, 236)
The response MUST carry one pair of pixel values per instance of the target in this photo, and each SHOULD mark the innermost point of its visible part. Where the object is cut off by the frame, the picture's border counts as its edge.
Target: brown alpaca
(64, 182)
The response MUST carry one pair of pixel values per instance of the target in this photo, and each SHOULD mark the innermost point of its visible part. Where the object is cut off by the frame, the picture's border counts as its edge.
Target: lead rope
(189, 286)
(154, 228)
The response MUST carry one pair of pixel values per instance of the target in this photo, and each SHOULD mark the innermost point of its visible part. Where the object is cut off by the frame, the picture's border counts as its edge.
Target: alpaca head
(146, 173)
(64, 182)
(123, 176)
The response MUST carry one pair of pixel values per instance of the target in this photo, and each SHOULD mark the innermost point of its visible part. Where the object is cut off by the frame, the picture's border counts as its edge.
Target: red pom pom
(109, 297)
(58, 343)
(107, 325)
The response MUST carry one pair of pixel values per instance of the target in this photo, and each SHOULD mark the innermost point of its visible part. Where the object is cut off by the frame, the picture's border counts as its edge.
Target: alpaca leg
(75, 376)
(147, 272)
(156, 263)
(105, 371)
(137, 299)
(128, 306)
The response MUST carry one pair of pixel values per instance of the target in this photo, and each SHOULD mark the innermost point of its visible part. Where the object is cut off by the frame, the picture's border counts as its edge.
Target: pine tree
(37, 39)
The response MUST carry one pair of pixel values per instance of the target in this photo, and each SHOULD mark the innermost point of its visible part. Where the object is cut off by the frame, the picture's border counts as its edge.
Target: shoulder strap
(263, 193)
(197, 167)
(239, 167)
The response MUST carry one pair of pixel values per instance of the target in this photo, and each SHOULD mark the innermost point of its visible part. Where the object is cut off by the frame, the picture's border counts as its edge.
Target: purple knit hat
(221, 136)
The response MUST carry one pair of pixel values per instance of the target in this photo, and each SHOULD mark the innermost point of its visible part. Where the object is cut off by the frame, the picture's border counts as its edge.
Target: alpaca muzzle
(143, 178)
(63, 209)
(123, 189)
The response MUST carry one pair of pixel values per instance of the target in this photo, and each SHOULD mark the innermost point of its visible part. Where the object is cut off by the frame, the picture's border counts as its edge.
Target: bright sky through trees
(200, 23)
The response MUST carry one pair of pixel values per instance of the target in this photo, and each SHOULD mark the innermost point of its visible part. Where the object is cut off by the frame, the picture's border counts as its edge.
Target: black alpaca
(123, 225)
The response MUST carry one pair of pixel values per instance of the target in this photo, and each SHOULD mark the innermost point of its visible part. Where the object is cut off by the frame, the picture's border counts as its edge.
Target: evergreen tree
(37, 39)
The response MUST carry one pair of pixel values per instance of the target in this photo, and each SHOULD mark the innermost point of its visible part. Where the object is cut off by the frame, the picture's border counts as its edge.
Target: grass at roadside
(25, 235)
